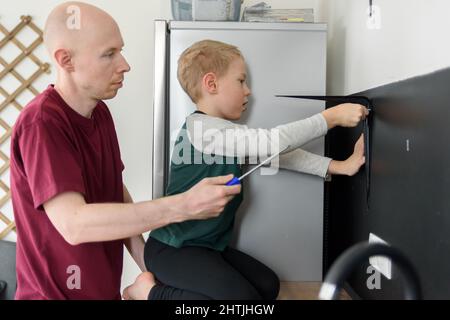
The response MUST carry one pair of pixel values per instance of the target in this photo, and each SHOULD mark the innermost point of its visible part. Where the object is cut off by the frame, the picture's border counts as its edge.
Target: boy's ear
(209, 82)
(63, 58)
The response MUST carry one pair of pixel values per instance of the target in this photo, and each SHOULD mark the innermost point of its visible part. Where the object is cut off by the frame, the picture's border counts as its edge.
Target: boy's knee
(270, 286)
(243, 291)
(243, 294)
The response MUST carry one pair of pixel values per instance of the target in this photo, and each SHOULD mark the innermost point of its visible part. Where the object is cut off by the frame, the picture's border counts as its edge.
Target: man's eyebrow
(113, 49)
(244, 75)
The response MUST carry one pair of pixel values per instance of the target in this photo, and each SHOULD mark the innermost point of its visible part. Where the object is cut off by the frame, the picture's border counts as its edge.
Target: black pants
(197, 273)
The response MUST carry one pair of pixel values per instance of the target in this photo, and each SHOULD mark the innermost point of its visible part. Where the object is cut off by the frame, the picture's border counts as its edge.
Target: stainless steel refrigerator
(281, 219)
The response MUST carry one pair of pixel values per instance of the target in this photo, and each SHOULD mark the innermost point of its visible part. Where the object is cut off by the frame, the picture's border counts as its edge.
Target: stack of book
(261, 12)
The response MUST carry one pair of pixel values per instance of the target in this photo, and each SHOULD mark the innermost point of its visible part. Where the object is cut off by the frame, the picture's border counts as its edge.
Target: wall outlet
(380, 263)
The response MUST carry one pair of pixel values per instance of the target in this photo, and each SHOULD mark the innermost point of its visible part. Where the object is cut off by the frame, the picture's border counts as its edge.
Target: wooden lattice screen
(10, 98)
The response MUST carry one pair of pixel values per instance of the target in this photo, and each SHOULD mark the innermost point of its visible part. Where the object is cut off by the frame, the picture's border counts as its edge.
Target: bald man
(73, 212)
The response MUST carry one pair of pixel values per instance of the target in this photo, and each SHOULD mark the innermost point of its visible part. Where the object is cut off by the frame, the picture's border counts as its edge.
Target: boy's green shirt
(214, 233)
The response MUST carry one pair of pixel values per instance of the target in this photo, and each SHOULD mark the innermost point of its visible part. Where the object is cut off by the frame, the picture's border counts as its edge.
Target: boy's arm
(352, 165)
(212, 135)
(306, 162)
(303, 161)
(217, 136)
(345, 115)
(135, 245)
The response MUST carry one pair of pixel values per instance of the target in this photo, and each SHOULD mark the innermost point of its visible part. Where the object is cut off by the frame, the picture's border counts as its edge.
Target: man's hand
(208, 198)
(352, 165)
(345, 115)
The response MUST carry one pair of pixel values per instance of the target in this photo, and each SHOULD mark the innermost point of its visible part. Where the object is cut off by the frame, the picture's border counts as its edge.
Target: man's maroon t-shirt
(55, 150)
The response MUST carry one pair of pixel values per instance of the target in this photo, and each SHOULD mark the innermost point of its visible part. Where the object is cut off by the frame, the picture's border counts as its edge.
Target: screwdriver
(236, 181)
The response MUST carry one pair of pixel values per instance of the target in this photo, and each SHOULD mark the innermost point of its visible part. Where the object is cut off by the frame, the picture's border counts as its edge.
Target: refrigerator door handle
(160, 110)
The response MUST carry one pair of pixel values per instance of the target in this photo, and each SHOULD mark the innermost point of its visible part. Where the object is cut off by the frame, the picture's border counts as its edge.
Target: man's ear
(63, 58)
(209, 82)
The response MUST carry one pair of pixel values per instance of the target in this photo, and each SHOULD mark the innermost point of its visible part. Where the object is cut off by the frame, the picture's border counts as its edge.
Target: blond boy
(193, 259)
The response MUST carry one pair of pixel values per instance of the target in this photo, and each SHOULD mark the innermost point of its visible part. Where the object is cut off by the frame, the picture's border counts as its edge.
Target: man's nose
(124, 66)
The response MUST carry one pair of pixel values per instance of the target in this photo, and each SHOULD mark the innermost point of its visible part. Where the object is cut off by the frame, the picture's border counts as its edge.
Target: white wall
(412, 41)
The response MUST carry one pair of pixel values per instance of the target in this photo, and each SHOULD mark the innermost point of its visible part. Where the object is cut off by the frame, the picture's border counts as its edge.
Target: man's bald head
(86, 45)
(75, 25)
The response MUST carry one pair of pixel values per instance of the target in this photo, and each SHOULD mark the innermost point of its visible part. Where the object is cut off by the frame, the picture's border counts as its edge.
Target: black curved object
(352, 257)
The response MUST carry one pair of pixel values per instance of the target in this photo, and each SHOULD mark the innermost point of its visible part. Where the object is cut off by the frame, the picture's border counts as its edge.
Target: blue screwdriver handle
(233, 182)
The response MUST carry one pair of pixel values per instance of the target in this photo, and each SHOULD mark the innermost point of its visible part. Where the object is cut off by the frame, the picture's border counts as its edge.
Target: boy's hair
(199, 59)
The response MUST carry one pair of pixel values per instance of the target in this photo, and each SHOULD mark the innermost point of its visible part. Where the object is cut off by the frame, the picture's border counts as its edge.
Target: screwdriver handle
(233, 182)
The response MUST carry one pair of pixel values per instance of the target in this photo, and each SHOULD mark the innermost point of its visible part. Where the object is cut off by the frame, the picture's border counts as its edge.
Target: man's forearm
(79, 222)
(135, 246)
(108, 222)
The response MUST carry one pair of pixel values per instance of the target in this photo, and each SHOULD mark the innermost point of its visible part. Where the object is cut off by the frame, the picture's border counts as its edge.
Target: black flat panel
(410, 178)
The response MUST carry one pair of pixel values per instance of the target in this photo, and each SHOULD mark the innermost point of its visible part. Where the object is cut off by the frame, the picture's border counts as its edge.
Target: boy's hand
(345, 115)
(352, 165)
(208, 198)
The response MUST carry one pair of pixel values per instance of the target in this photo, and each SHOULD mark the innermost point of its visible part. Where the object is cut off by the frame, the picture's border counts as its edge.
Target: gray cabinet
(281, 219)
